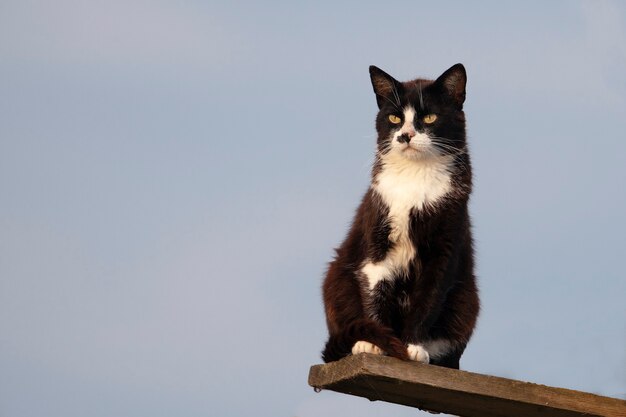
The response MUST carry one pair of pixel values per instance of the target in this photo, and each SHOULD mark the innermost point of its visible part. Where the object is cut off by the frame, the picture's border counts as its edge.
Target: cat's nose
(405, 137)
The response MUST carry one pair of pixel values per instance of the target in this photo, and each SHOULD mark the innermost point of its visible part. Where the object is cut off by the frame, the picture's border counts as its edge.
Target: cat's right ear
(385, 86)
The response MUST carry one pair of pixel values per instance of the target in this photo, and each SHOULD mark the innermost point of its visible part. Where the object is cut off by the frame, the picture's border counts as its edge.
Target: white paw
(418, 353)
(366, 347)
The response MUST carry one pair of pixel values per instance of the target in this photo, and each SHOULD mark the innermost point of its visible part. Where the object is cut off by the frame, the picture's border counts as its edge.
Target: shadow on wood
(462, 393)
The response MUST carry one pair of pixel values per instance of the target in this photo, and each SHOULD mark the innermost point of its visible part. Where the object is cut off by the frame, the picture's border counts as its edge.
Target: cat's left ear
(453, 81)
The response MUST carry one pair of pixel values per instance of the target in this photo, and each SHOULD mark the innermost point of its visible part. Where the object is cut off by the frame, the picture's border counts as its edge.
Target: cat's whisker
(421, 97)
(395, 93)
(439, 142)
(448, 150)
(368, 165)
(392, 103)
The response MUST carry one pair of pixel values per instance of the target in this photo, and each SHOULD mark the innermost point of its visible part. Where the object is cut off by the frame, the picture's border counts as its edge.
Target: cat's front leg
(428, 297)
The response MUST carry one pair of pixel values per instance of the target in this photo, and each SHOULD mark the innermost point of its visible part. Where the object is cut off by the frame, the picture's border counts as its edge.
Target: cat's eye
(394, 119)
(430, 118)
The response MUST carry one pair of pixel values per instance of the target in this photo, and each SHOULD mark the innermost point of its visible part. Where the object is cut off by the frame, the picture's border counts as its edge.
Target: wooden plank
(451, 391)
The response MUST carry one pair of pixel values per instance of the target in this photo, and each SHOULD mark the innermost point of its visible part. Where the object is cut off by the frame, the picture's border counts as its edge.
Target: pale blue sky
(174, 176)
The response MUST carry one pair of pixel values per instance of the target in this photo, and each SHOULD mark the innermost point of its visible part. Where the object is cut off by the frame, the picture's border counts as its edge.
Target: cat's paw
(418, 353)
(366, 347)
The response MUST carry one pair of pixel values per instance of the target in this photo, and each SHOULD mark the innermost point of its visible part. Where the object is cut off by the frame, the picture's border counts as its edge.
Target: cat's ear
(453, 82)
(385, 86)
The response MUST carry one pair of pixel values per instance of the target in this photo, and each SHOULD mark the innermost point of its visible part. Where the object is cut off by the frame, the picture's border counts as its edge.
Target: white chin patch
(418, 353)
(366, 347)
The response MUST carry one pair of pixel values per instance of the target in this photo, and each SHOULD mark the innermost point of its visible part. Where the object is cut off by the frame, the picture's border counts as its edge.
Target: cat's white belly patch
(404, 185)
(396, 262)
(375, 272)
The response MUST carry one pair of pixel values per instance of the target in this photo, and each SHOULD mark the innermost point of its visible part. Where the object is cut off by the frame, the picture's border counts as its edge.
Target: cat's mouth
(413, 149)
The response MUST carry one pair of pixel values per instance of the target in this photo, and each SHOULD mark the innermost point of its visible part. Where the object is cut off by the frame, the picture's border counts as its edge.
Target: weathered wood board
(451, 391)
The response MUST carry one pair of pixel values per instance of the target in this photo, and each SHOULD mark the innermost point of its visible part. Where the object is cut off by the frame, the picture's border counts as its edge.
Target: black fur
(437, 297)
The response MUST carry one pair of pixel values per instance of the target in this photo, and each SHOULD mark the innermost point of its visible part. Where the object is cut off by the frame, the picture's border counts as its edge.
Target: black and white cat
(402, 283)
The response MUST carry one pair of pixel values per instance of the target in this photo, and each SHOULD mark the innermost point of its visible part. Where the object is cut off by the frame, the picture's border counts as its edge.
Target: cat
(402, 283)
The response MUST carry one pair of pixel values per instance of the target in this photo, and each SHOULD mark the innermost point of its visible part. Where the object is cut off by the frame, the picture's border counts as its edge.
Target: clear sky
(175, 174)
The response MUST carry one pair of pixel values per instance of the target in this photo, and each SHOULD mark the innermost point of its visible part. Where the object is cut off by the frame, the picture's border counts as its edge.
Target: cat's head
(420, 119)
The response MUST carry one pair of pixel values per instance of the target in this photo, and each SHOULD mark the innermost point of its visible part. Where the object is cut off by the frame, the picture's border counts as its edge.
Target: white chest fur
(404, 185)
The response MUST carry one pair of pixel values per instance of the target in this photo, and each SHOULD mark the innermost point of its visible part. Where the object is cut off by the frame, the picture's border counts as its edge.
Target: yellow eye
(394, 119)
(430, 118)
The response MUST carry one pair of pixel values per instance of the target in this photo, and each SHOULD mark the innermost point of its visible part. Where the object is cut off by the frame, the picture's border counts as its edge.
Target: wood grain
(451, 391)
